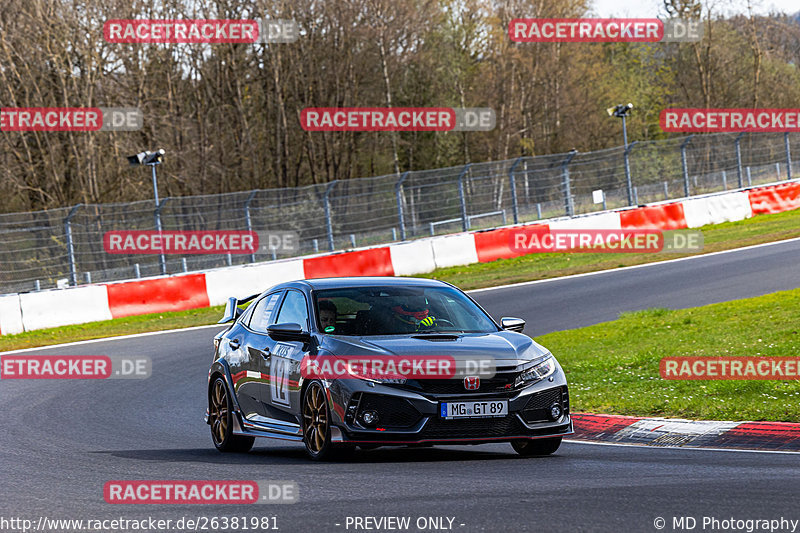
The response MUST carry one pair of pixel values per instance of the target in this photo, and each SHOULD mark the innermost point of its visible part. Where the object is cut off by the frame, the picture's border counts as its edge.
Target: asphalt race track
(578, 301)
(60, 441)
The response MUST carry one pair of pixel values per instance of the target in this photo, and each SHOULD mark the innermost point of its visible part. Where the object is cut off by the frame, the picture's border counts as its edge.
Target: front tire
(528, 448)
(317, 426)
(220, 418)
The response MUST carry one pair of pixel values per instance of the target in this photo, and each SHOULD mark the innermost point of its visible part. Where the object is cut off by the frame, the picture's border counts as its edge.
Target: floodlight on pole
(622, 111)
(152, 159)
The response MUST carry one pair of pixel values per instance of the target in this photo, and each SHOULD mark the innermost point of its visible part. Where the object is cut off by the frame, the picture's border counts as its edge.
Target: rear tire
(533, 447)
(220, 418)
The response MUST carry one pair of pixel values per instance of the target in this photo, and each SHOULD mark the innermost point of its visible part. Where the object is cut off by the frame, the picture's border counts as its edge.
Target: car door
(257, 347)
(284, 390)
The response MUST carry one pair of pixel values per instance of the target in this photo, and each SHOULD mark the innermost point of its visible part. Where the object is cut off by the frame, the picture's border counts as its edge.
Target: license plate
(477, 409)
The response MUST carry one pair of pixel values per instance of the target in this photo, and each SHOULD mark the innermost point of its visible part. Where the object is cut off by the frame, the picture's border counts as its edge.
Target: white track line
(115, 338)
(595, 273)
(696, 448)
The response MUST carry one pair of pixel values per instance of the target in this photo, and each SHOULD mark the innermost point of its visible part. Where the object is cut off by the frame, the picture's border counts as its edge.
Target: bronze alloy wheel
(220, 418)
(218, 412)
(315, 420)
(317, 426)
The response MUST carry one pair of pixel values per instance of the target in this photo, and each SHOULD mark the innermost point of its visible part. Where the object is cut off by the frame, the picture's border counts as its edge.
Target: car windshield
(398, 310)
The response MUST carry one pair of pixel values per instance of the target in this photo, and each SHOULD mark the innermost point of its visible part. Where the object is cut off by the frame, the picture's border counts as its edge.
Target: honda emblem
(472, 382)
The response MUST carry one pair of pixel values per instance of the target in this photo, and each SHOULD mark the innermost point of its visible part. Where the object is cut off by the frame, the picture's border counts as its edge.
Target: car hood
(506, 347)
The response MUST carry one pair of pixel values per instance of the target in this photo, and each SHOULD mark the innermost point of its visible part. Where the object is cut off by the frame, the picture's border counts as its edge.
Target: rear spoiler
(232, 310)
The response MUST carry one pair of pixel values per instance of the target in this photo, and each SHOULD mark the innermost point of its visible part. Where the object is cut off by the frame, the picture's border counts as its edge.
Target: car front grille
(439, 428)
(501, 382)
(538, 407)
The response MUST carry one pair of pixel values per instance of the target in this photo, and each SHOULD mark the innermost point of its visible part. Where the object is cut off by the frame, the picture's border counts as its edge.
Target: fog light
(555, 411)
(370, 418)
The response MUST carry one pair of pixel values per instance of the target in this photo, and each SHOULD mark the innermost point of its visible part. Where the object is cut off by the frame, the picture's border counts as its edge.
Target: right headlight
(537, 370)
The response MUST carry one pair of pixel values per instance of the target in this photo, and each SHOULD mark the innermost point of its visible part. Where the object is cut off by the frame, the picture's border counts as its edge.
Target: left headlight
(385, 381)
(537, 370)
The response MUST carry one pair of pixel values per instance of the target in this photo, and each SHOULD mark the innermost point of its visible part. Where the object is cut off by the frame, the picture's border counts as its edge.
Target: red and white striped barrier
(10, 314)
(772, 436)
(60, 307)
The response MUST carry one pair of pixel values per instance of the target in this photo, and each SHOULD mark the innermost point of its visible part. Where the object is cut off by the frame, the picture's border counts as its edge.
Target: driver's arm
(427, 322)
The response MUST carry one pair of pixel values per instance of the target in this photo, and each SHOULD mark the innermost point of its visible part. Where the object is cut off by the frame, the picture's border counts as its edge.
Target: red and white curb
(78, 305)
(672, 432)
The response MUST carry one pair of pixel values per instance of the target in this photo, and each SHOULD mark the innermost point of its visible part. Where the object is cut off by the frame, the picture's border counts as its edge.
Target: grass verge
(757, 230)
(614, 367)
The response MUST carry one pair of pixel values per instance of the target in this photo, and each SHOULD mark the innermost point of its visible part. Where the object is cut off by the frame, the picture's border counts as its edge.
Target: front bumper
(408, 417)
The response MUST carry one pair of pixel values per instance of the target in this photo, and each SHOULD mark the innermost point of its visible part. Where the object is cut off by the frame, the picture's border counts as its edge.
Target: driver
(413, 315)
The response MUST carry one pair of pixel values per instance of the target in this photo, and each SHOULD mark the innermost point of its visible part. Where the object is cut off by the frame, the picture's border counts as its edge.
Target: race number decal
(279, 373)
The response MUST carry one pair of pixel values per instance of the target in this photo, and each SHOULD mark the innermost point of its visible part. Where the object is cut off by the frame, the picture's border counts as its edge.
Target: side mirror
(287, 332)
(232, 311)
(512, 324)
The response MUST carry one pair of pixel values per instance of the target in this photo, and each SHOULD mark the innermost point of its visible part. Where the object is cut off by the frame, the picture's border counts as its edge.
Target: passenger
(327, 316)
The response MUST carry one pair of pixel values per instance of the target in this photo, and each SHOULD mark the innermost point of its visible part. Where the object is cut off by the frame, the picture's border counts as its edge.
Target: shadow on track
(285, 455)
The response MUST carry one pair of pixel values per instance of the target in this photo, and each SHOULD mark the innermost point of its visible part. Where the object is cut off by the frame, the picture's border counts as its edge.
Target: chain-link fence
(64, 246)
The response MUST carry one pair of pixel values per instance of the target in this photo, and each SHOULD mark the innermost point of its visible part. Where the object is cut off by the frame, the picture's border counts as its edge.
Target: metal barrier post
(462, 200)
(398, 193)
(568, 206)
(628, 180)
(685, 166)
(513, 184)
(788, 156)
(73, 273)
(327, 205)
(739, 159)
(162, 260)
(248, 221)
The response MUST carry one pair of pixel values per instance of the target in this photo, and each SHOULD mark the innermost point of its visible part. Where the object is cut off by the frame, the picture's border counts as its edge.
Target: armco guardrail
(172, 293)
(39, 250)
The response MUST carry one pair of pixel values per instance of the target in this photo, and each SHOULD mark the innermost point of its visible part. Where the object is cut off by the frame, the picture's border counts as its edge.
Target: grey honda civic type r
(259, 383)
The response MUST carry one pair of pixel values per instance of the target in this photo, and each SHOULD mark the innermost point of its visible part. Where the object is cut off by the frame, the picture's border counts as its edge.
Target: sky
(653, 8)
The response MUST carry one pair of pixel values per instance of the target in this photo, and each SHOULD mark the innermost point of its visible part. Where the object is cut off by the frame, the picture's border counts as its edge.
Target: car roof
(365, 281)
